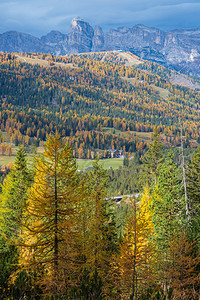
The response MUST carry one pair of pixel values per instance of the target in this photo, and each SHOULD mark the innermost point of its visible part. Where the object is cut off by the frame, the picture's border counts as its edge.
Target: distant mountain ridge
(178, 49)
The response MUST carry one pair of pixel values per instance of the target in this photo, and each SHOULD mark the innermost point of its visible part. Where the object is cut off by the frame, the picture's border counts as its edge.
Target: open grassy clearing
(114, 163)
(111, 130)
(4, 160)
(33, 61)
(162, 92)
(82, 164)
(43, 62)
(142, 136)
(145, 136)
(131, 60)
(132, 81)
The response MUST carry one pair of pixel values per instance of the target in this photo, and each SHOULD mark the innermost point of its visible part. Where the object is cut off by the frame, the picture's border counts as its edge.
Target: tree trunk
(134, 282)
(184, 181)
(55, 233)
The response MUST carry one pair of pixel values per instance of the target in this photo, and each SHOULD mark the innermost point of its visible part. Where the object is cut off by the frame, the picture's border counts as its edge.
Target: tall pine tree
(193, 190)
(168, 216)
(12, 204)
(153, 159)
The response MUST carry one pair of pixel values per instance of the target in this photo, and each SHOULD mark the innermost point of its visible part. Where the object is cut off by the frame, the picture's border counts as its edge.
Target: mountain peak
(81, 26)
(80, 37)
(77, 19)
(179, 49)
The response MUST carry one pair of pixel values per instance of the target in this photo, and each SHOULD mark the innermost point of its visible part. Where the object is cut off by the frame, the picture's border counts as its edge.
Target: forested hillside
(84, 97)
(62, 235)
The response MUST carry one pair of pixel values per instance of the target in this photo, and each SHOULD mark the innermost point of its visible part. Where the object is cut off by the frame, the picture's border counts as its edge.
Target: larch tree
(50, 226)
(137, 250)
(100, 239)
(183, 272)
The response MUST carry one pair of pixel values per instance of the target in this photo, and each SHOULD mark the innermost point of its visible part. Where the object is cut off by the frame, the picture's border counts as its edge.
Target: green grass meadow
(114, 163)
(82, 164)
(4, 160)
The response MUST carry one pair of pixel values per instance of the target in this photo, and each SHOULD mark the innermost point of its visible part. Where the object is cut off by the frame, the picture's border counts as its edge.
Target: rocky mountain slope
(177, 49)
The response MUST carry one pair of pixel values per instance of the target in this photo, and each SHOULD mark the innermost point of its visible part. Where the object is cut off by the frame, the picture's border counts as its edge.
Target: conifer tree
(153, 159)
(183, 272)
(168, 215)
(167, 204)
(193, 189)
(12, 204)
(14, 196)
(137, 250)
(48, 250)
(100, 239)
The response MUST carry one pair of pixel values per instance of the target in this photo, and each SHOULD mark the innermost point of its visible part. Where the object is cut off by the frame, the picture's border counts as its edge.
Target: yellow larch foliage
(137, 250)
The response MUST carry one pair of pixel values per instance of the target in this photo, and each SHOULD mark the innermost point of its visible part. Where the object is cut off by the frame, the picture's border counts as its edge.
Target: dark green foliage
(22, 286)
(12, 204)
(193, 183)
(153, 159)
(90, 288)
(120, 211)
(126, 161)
(7, 261)
(167, 204)
(14, 195)
(101, 243)
(2, 177)
(125, 181)
(193, 190)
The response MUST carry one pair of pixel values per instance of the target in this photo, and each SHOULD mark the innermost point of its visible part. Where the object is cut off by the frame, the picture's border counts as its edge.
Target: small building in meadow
(113, 153)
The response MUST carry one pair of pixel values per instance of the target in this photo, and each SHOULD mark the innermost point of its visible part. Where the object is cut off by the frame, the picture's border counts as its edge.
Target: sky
(38, 17)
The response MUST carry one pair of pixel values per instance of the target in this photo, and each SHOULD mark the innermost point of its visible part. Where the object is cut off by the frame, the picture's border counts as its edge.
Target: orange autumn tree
(50, 227)
(183, 272)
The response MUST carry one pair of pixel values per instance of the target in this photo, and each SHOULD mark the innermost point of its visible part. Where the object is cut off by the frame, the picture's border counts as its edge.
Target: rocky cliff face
(98, 39)
(13, 41)
(179, 49)
(55, 40)
(80, 36)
